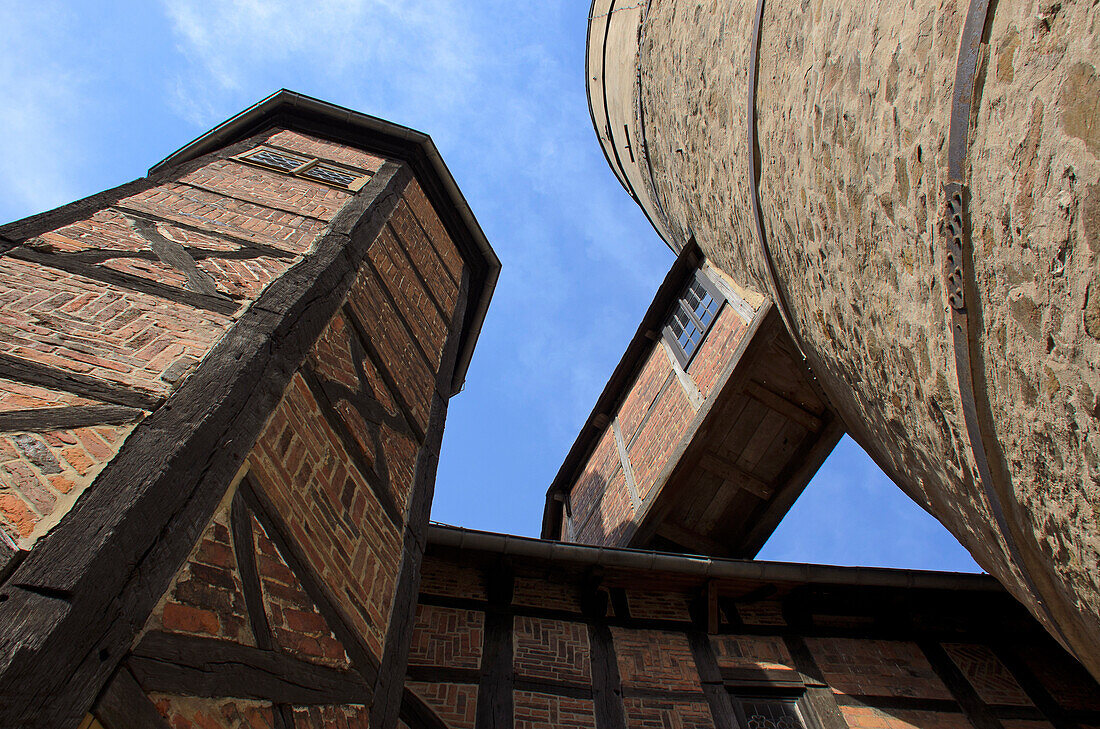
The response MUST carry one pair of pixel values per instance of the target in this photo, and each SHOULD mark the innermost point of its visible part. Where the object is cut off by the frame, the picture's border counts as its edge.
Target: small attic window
(348, 178)
(692, 317)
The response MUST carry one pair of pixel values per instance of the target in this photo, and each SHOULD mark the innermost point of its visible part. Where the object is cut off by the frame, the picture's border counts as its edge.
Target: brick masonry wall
(642, 394)
(447, 637)
(876, 668)
(206, 597)
(714, 353)
(653, 417)
(134, 295)
(651, 448)
(557, 652)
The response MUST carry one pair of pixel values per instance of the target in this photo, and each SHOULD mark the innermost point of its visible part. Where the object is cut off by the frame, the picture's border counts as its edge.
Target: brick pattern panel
(409, 296)
(643, 393)
(658, 605)
(651, 713)
(189, 712)
(383, 438)
(324, 149)
(205, 597)
(751, 651)
(876, 668)
(302, 466)
(114, 239)
(425, 259)
(441, 577)
(545, 592)
(761, 613)
(429, 221)
(218, 214)
(454, 703)
(331, 717)
(42, 474)
(415, 381)
(866, 717)
(544, 711)
(19, 396)
(447, 637)
(714, 354)
(297, 626)
(655, 659)
(613, 513)
(652, 447)
(989, 677)
(589, 489)
(268, 188)
(80, 325)
(554, 650)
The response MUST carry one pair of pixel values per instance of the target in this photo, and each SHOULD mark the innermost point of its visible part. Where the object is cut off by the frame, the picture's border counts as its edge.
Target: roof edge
(706, 568)
(284, 105)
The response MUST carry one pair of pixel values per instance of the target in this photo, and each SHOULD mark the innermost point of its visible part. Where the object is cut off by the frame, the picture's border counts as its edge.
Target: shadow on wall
(606, 515)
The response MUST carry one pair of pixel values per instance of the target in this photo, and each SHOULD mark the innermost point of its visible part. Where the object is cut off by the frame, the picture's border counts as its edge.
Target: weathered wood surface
(244, 550)
(33, 373)
(177, 664)
(67, 417)
(124, 705)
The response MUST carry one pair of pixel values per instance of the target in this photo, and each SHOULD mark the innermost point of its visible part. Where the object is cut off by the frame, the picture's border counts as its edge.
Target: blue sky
(95, 93)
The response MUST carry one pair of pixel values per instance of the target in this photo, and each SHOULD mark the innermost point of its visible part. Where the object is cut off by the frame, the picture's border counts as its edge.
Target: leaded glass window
(692, 317)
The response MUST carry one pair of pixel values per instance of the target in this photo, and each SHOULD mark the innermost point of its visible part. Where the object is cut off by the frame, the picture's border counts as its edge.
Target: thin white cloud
(358, 46)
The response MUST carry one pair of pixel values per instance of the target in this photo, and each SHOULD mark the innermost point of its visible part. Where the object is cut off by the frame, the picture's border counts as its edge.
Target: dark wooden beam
(38, 420)
(607, 688)
(416, 714)
(179, 664)
(1034, 688)
(819, 697)
(783, 406)
(395, 654)
(710, 678)
(244, 550)
(495, 708)
(120, 279)
(972, 705)
(278, 532)
(124, 705)
(33, 373)
(721, 463)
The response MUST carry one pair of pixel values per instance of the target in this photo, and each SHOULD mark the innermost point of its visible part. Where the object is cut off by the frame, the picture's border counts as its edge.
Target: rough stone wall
(853, 103)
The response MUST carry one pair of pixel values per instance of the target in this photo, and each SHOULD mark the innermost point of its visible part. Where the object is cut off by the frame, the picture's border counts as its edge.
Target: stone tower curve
(917, 188)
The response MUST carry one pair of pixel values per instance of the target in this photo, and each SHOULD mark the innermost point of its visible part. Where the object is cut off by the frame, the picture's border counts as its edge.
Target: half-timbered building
(223, 389)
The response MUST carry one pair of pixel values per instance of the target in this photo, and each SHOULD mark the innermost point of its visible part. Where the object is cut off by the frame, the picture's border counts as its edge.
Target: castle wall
(853, 105)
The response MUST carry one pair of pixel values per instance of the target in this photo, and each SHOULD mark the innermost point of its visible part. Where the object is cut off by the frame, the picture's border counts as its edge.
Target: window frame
(703, 279)
(359, 177)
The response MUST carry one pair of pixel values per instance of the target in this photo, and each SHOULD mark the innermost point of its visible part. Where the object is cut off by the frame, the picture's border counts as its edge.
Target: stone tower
(916, 186)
